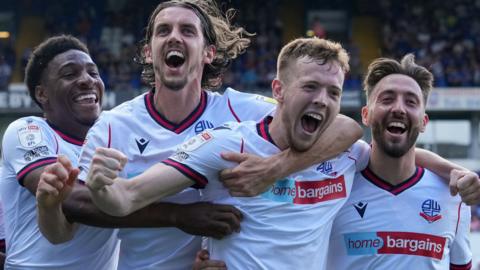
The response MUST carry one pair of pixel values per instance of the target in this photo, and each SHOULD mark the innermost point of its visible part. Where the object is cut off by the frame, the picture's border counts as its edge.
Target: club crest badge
(431, 211)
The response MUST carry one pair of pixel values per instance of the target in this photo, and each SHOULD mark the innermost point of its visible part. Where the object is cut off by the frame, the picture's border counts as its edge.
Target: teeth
(397, 124)
(84, 97)
(175, 53)
(315, 116)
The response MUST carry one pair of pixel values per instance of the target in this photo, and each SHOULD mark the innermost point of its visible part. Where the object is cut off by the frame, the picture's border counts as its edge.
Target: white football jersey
(30, 143)
(146, 138)
(288, 226)
(412, 225)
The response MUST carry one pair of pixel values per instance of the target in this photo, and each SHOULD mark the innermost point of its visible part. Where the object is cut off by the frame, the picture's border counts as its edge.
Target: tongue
(309, 124)
(395, 130)
(175, 61)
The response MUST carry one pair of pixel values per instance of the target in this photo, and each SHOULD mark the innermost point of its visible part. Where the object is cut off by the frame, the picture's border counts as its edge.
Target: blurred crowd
(444, 37)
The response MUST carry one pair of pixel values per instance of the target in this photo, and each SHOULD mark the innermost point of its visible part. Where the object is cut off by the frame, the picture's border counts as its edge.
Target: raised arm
(55, 184)
(120, 197)
(254, 174)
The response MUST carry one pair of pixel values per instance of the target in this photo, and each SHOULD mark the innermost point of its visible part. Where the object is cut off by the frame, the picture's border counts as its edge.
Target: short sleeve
(360, 152)
(460, 252)
(247, 106)
(27, 145)
(199, 158)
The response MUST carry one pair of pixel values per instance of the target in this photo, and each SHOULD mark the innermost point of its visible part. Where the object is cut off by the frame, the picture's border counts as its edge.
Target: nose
(174, 36)
(320, 98)
(86, 80)
(398, 107)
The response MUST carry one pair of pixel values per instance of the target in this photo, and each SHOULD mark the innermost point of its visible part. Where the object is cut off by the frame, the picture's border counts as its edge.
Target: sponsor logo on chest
(307, 192)
(407, 243)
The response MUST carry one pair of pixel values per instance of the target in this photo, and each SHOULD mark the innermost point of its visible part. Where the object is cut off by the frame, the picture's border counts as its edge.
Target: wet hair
(229, 41)
(382, 67)
(43, 54)
(320, 50)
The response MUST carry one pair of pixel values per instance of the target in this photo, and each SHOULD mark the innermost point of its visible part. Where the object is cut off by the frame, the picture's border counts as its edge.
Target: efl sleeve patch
(197, 141)
(29, 136)
(266, 99)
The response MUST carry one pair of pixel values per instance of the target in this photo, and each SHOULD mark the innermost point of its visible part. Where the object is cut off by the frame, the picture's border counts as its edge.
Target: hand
(251, 177)
(104, 167)
(203, 262)
(206, 219)
(467, 184)
(56, 183)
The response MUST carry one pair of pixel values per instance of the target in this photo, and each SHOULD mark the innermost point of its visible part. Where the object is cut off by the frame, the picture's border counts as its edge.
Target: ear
(147, 51)
(209, 54)
(425, 121)
(41, 94)
(277, 90)
(365, 116)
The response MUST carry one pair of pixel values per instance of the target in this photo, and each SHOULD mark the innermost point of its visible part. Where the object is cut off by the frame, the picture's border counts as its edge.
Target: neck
(176, 105)
(76, 130)
(391, 169)
(277, 131)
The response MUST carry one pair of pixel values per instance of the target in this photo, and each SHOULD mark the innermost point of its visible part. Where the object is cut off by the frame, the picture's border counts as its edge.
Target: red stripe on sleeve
(467, 266)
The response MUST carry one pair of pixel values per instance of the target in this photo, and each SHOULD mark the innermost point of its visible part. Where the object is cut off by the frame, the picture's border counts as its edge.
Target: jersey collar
(394, 189)
(66, 137)
(183, 125)
(262, 129)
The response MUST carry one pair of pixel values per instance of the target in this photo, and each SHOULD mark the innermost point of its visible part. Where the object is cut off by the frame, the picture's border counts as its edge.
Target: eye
(334, 92)
(411, 102)
(309, 87)
(93, 73)
(162, 30)
(188, 31)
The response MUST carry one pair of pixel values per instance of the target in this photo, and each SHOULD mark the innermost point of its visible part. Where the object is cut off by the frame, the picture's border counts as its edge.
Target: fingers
(454, 176)
(49, 184)
(223, 208)
(210, 265)
(469, 188)
(99, 181)
(234, 156)
(62, 159)
(57, 169)
(72, 177)
(113, 157)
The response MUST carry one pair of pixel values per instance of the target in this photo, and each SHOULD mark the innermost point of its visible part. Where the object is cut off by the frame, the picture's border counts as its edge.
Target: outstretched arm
(120, 197)
(57, 210)
(462, 181)
(254, 174)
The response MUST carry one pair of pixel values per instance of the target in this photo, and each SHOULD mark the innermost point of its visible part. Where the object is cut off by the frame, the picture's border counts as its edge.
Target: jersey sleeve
(247, 106)
(360, 152)
(99, 135)
(460, 252)
(199, 157)
(28, 145)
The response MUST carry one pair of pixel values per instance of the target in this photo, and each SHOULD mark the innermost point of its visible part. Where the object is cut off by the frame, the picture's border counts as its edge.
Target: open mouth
(86, 99)
(311, 121)
(174, 59)
(396, 127)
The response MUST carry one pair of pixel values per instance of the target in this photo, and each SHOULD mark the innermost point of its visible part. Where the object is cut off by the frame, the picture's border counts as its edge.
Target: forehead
(397, 83)
(70, 57)
(177, 15)
(308, 69)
